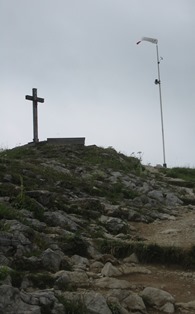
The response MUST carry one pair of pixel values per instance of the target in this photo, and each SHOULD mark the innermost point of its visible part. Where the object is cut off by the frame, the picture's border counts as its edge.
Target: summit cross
(35, 101)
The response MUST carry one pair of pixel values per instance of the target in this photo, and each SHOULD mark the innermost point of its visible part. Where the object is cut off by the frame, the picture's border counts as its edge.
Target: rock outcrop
(71, 240)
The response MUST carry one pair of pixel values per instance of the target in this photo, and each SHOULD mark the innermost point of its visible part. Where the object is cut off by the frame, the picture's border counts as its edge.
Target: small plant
(21, 195)
(42, 280)
(17, 278)
(4, 272)
(28, 203)
(7, 212)
(73, 306)
(114, 307)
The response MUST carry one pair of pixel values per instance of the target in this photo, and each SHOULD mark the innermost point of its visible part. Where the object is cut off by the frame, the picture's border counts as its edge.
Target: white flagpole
(158, 82)
(161, 108)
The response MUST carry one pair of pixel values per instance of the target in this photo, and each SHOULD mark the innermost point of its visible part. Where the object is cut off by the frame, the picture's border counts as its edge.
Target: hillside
(89, 230)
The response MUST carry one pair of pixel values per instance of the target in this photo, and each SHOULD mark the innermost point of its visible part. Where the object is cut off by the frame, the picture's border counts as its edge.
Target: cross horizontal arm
(29, 97)
(38, 99)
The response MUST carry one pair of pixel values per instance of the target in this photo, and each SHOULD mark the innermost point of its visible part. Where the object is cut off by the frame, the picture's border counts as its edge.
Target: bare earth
(178, 232)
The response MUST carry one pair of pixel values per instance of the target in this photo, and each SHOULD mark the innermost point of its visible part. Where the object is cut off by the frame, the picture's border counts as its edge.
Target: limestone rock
(110, 271)
(96, 266)
(51, 260)
(168, 308)
(80, 262)
(95, 303)
(59, 218)
(134, 302)
(128, 269)
(73, 278)
(131, 259)
(187, 305)
(114, 225)
(157, 195)
(11, 302)
(156, 297)
(112, 283)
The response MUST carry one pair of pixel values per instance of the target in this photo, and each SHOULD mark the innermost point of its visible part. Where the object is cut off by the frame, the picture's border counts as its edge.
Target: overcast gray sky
(82, 57)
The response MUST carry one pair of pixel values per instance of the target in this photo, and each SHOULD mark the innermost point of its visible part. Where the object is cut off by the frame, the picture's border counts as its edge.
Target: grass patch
(25, 202)
(73, 306)
(41, 280)
(187, 174)
(109, 158)
(7, 212)
(16, 276)
(4, 272)
(150, 253)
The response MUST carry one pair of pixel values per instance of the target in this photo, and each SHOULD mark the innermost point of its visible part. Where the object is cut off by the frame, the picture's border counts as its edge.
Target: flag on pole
(151, 40)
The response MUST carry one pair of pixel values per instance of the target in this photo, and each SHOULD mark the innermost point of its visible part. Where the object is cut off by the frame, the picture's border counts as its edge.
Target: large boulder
(134, 302)
(95, 303)
(114, 225)
(71, 279)
(61, 219)
(79, 262)
(110, 271)
(11, 302)
(112, 283)
(51, 260)
(157, 298)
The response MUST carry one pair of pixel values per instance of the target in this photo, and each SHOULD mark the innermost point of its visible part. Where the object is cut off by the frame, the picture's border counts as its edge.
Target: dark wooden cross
(35, 101)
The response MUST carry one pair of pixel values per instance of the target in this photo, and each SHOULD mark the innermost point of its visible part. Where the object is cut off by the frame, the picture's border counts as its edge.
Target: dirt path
(180, 284)
(179, 232)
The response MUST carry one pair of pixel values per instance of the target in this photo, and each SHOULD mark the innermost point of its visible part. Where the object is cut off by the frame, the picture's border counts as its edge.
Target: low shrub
(73, 306)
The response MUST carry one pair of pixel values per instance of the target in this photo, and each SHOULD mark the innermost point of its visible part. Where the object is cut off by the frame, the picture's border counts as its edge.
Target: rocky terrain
(89, 230)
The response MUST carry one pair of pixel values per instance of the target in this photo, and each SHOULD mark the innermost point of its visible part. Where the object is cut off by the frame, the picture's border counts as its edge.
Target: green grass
(150, 253)
(109, 158)
(7, 212)
(187, 174)
(4, 272)
(73, 306)
(41, 280)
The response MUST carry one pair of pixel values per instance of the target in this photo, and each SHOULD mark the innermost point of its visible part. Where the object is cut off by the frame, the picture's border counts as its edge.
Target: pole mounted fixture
(158, 82)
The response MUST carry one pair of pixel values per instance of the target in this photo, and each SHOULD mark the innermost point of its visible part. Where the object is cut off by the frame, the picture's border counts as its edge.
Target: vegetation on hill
(78, 200)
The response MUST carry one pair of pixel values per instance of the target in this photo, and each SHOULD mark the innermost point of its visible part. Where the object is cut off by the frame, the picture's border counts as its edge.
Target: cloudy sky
(82, 57)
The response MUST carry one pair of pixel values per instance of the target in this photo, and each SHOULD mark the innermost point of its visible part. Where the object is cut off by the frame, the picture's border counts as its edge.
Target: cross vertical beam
(35, 101)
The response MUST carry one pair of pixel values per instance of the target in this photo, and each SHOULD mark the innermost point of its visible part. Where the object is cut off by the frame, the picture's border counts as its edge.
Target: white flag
(151, 40)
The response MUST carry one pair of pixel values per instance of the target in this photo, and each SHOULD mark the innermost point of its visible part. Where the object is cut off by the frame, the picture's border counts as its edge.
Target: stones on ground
(95, 303)
(158, 298)
(131, 259)
(51, 260)
(134, 303)
(96, 267)
(110, 271)
(11, 302)
(186, 306)
(80, 262)
(71, 220)
(112, 283)
(72, 278)
(168, 308)
(126, 269)
(114, 225)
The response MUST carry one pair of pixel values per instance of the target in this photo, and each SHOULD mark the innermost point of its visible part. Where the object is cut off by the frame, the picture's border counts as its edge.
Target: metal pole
(161, 109)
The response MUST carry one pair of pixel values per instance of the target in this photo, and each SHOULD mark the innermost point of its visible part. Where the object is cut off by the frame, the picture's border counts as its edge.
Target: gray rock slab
(112, 283)
(156, 297)
(95, 303)
(134, 302)
(110, 271)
